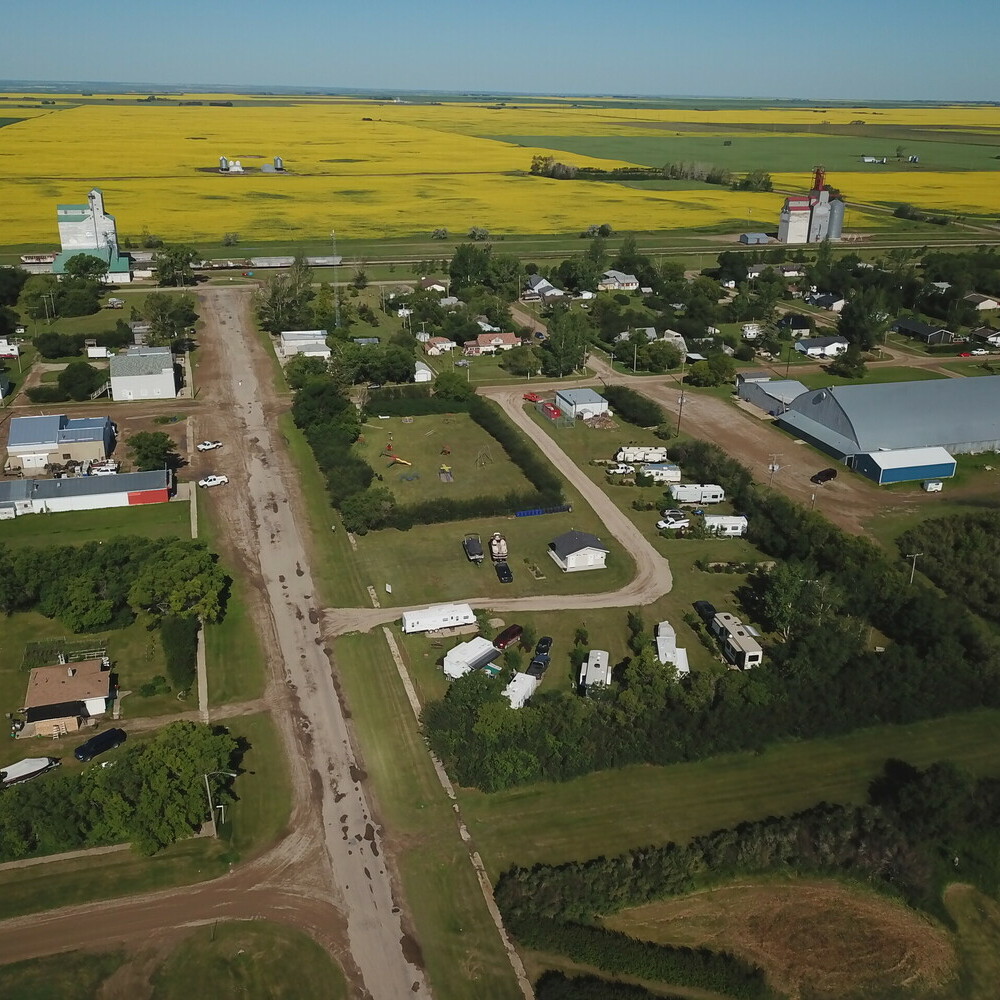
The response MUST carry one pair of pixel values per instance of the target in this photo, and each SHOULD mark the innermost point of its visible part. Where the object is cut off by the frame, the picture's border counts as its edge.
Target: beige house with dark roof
(60, 697)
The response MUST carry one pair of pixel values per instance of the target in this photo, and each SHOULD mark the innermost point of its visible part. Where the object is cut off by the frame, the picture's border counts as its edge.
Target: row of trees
(825, 679)
(152, 797)
(99, 585)
(753, 180)
(914, 820)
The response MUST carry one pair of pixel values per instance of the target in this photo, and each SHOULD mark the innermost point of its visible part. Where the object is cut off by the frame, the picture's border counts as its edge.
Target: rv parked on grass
(696, 493)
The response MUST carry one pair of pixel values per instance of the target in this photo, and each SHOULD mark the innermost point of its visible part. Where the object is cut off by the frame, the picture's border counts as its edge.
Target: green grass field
(74, 976)
(259, 960)
(778, 154)
(461, 948)
(477, 461)
(253, 822)
(875, 374)
(612, 811)
(155, 520)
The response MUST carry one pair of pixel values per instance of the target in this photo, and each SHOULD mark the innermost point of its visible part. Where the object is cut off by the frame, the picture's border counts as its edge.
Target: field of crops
(370, 169)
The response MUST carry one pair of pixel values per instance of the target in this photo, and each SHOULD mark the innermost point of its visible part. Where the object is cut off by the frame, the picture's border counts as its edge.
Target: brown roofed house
(59, 697)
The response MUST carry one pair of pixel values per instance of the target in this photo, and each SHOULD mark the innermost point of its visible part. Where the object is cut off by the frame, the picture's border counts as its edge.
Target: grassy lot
(155, 520)
(256, 959)
(486, 370)
(986, 366)
(820, 380)
(779, 154)
(977, 918)
(612, 811)
(253, 822)
(461, 948)
(477, 461)
(74, 976)
(136, 654)
(236, 667)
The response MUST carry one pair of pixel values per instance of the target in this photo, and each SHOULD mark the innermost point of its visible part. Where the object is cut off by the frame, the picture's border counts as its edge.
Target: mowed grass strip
(462, 951)
(76, 976)
(875, 374)
(258, 960)
(253, 822)
(609, 812)
(74, 527)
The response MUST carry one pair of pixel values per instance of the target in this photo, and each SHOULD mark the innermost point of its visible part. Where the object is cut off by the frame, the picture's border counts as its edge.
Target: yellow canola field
(967, 192)
(390, 177)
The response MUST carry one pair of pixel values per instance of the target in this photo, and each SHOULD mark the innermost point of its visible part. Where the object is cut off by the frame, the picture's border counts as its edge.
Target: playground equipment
(446, 450)
(396, 460)
(498, 547)
(444, 474)
(484, 457)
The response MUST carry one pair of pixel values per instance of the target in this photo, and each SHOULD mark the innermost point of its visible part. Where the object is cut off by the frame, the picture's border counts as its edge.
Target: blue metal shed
(905, 465)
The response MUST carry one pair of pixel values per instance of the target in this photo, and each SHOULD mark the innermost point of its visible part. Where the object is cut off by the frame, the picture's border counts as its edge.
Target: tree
(230, 239)
(754, 180)
(521, 361)
(780, 592)
(282, 301)
(367, 510)
(79, 379)
(87, 267)
(302, 368)
(439, 234)
(470, 265)
(478, 234)
(173, 265)
(12, 280)
(864, 319)
(184, 580)
(565, 348)
(38, 294)
(152, 450)
(850, 364)
(451, 385)
(360, 279)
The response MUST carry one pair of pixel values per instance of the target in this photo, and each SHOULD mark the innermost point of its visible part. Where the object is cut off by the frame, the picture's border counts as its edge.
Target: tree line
(823, 680)
(152, 797)
(916, 831)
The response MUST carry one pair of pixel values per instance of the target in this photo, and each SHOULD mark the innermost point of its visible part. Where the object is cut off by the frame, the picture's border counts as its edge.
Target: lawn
(478, 463)
(486, 370)
(157, 520)
(99, 322)
(253, 822)
(461, 948)
(236, 667)
(257, 959)
(612, 811)
(875, 374)
(74, 976)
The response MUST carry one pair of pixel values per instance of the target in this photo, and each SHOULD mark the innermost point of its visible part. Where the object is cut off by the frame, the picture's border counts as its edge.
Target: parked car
(621, 470)
(209, 445)
(705, 610)
(825, 476)
(508, 636)
(673, 520)
(504, 573)
(532, 397)
(213, 481)
(538, 666)
(966, 354)
(544, 646)
(101, 743)
(979, 352)
(462, 364)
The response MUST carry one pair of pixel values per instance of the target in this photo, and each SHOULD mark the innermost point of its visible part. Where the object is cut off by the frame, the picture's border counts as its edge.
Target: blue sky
(847, 49)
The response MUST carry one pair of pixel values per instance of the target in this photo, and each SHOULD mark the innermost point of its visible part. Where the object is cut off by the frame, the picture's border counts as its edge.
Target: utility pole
(336, 285)
(913, 568)
(773, 467)
(680, 411)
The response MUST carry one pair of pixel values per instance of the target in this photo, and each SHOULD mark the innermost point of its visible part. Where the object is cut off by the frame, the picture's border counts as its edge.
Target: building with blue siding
(905, 465)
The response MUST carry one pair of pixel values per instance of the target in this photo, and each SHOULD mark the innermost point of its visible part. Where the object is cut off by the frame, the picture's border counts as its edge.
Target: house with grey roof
(822, 347)
(45, 496)
(915, 329)
(773, 396)
(959, 414)
(143, 373)
(575, 551)
(36, 442)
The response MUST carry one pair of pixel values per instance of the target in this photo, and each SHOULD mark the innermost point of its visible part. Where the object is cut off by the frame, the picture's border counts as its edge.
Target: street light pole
(913, 568)
(773, 466)
(208, 792)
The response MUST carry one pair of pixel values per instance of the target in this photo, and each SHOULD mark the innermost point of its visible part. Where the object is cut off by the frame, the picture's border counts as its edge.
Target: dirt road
(330, 875)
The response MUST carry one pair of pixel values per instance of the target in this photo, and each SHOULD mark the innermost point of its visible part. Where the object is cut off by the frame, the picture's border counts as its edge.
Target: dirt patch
(815, 939)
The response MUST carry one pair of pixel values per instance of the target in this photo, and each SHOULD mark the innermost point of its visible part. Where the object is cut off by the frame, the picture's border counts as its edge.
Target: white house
(422, 372)
(311, 343)
(618, 281)
(436, 346)
(983, 303)
(576, 551)
(490, 343)
(667, 650)
(726, 525)
(468, 656)
(485, 325)
(750, 331)
(143, 373)
(520, 689)
(433, 285)
(822, 347)
(584, 403)
(595, 670)
(8, 349)
(438, 616)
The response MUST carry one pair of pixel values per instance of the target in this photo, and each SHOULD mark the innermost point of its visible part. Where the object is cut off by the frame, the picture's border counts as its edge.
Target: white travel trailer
(697, 493)
(438, 616)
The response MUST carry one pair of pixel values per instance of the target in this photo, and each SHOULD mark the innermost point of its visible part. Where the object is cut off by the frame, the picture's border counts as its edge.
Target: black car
(101, 743)
(504, 574)
(544, 646)
(823, 477)
(706, 611)
(538, 666)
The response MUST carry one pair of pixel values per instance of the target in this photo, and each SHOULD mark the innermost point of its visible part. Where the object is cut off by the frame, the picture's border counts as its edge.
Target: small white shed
(583, 403)
(422, 372)
(520, 689)
(438, 616)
